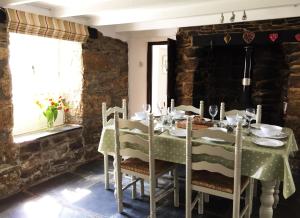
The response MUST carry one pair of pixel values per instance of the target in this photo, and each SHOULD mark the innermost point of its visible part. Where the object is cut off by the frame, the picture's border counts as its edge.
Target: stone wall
(48, 156)
(105, 62)
(104, 79)
(189, 62)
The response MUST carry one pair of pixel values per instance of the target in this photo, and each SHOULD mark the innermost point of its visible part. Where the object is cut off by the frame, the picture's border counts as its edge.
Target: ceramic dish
(261, 134)
(272, 143)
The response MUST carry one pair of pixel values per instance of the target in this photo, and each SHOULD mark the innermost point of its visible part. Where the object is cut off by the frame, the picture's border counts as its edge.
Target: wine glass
(161, 106)
(171, 114)
(147, 108)
(250, 115)
(213, 110)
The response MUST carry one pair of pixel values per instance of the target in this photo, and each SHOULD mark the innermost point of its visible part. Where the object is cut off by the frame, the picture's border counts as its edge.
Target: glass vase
(50, 124)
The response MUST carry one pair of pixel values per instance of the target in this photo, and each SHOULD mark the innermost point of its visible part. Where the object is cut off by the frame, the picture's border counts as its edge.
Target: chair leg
(152, 197)
(200, 203)
(133, 190)
(106, 175)
(249, 198)
(176, 188)
(206, 198)
(142, 188)
(188, 200)
(118, 190)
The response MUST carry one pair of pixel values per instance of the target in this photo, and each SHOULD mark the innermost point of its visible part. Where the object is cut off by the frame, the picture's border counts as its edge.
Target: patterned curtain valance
(34, 24)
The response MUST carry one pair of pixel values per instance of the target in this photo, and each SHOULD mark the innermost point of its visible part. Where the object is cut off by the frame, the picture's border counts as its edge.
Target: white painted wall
(137, 60)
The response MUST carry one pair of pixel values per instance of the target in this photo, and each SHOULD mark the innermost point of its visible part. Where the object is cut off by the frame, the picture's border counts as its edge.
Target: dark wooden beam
(261, 38)
(93, 33)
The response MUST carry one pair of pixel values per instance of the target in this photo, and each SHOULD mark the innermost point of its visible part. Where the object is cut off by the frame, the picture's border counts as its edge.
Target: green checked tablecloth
(258, 162)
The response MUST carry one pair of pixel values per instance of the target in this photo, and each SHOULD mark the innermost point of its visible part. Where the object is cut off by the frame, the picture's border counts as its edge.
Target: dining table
(269, 165)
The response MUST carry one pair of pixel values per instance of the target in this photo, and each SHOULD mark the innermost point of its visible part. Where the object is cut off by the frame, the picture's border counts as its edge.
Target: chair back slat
(197, 164)
(213, 151)
(213, 167)
(133, 139)
(188, 108)
(132, 145)
(133, 153)
(107, 112)
(110, 122)
(213, 134)
(128, 124)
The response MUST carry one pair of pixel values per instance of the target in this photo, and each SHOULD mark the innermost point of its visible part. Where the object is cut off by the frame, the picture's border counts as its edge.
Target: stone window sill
(44, 133)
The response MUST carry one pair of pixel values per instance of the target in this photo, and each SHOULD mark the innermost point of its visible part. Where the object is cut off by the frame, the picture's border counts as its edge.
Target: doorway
(161, 76)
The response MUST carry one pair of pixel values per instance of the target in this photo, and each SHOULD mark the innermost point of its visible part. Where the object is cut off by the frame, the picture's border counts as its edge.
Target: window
(42, 68)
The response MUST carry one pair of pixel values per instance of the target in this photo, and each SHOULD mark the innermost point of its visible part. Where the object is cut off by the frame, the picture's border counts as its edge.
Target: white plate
(212, 139)
(273, 143)
(178, 132)
(218, 128)
(259, 133)
(256, 125)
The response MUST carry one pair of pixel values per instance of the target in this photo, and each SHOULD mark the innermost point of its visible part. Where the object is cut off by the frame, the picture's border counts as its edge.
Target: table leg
(267, 199)
(276, 194)
(106, 175)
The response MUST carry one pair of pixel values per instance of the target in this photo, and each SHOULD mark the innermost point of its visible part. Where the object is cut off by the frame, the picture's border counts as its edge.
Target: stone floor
(81, 194)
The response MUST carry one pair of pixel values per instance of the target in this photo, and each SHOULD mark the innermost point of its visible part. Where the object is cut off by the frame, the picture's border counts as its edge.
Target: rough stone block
(9, 179)
(76, 145)
(31, 147)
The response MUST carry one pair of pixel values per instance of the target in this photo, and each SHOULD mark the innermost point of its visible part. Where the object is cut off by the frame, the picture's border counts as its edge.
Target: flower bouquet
(51, 107)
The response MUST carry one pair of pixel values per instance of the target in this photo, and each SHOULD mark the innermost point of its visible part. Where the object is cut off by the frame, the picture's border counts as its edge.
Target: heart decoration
(227, 38)
(248, 36)
(297, 37)
(273, 36)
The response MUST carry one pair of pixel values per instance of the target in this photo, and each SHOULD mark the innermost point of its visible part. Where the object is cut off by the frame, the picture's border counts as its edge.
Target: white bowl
(231, 119)
(178, 114)
(270, 130)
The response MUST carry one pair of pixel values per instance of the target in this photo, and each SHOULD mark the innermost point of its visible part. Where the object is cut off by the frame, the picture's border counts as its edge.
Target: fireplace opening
(220, 72)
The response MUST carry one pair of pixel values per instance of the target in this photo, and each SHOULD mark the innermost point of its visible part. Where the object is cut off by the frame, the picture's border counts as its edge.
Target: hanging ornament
(273, 36)
(248, 36)
(227, 38)
(297, 37)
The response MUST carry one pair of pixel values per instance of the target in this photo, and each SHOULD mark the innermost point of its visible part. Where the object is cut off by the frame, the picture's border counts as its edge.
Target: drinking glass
(161, 106)
(147, 108)
(171, 113)
(213, 111)
(250, 115)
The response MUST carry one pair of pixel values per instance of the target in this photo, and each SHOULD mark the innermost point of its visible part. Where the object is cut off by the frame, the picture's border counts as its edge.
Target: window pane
(42, 68)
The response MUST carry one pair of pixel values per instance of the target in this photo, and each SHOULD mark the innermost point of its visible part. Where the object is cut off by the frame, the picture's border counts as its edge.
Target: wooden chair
(214, 178)
(140, 162)
(190, 108)
(106, 113)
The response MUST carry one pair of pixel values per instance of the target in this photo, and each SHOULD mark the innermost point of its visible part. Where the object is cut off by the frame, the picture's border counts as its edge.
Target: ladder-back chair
(140, 162)
(106, 113)
(214, 178)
